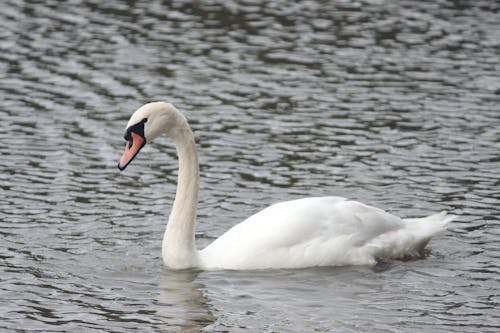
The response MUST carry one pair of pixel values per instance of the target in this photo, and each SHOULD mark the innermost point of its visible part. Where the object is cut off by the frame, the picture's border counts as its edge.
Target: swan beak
(132, 148)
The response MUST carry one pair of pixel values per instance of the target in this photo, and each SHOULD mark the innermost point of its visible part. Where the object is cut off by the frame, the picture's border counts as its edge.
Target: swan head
(146, 124)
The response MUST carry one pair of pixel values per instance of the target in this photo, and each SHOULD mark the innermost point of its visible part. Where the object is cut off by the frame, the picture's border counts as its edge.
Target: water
(395, 104)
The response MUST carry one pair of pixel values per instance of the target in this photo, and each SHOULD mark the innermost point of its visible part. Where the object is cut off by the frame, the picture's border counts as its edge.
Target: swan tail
(432, 224)
(425, 228)
(409, 241)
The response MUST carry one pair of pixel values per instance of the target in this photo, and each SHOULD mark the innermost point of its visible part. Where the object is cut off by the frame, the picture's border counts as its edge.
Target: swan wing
(315, 231)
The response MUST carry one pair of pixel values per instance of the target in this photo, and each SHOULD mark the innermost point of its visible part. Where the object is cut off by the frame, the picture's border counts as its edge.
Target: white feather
(318, 231)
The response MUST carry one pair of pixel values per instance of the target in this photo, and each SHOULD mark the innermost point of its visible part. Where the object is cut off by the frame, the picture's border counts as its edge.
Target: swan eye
(127, 135)
(137, 129)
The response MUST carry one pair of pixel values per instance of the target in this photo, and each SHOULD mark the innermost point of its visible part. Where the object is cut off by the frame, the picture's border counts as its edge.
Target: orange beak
(132, 148)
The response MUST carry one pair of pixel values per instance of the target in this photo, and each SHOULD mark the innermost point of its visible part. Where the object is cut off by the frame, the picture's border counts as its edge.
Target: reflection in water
(184, 308)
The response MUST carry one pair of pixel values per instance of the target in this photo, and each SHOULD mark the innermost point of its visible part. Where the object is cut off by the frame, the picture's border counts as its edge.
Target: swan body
(315, 231)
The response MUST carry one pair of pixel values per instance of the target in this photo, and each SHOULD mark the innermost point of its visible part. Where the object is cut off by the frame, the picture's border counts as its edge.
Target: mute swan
(316, 231)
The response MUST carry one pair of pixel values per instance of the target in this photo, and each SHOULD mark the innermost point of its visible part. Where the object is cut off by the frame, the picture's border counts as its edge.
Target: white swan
(318, 231)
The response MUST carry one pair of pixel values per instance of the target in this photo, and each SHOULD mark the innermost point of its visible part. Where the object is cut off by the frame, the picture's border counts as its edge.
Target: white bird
(316, 231)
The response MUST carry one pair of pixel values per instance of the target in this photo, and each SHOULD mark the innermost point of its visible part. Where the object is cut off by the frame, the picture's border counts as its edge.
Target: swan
(314, 231)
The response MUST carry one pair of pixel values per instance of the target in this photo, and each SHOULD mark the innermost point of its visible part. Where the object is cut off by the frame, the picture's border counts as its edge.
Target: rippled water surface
(393, 103)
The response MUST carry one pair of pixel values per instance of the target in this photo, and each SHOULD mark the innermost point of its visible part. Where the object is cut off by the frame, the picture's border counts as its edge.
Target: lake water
(393, 103)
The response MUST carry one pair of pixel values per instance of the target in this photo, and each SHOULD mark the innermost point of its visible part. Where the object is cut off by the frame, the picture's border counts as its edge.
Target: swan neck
(179, 249)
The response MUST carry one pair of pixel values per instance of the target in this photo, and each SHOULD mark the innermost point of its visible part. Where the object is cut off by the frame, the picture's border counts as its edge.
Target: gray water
(393, 103)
